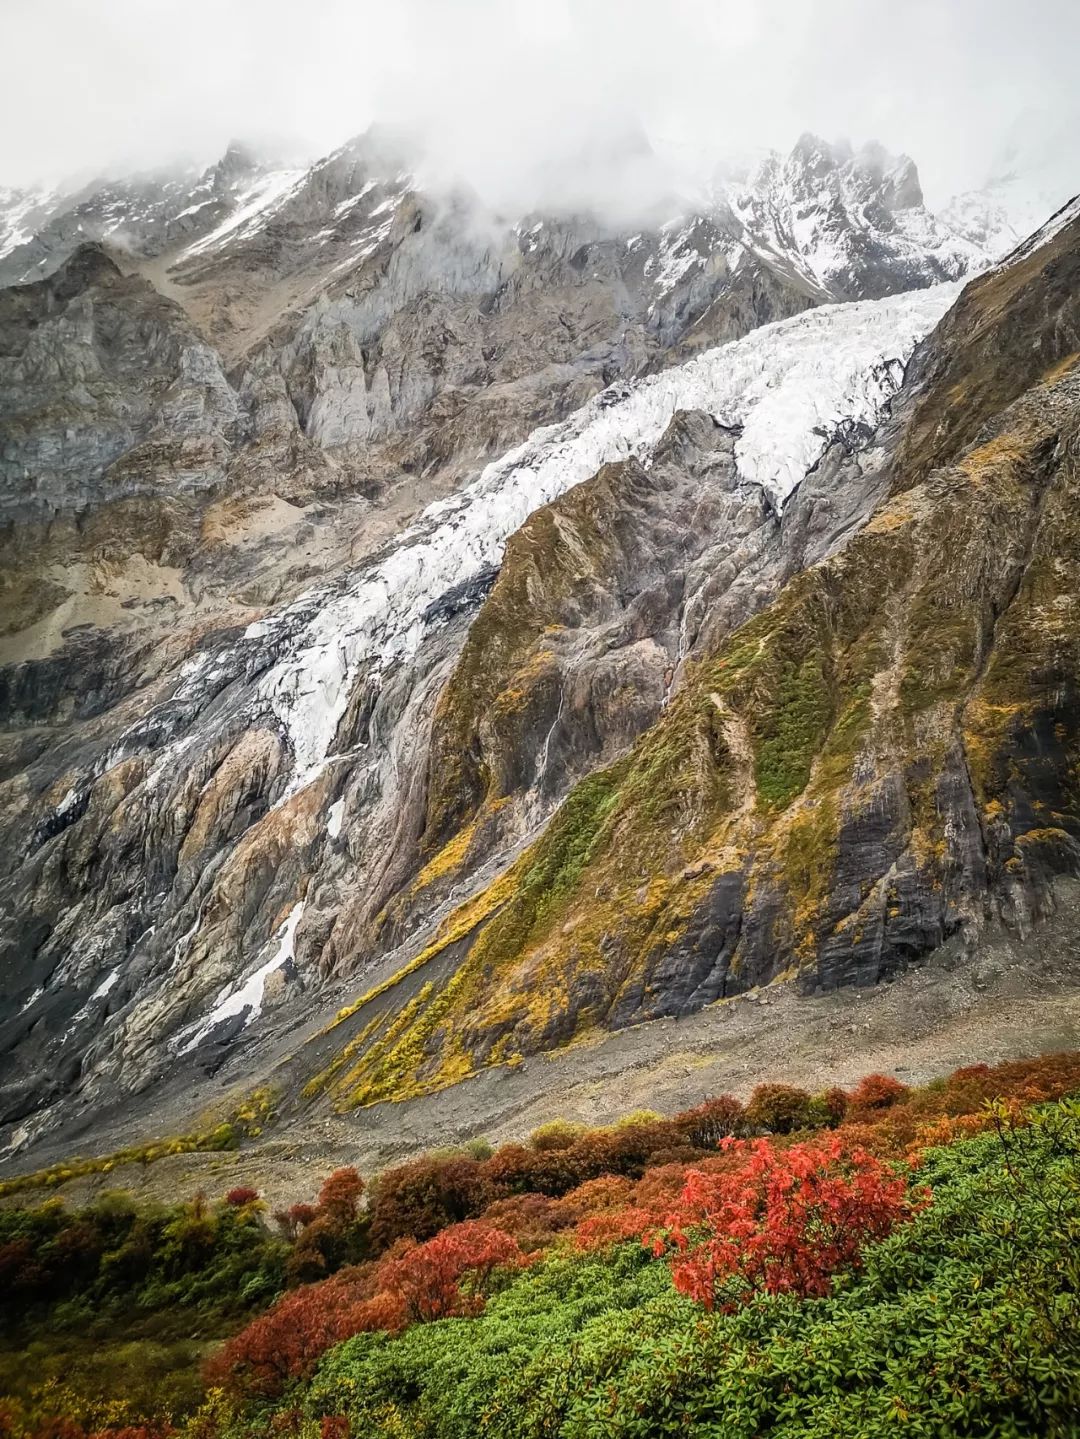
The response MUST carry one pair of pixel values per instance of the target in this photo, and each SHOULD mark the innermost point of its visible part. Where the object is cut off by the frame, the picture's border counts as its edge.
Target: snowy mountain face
(146, 215)
(393, 333)
(853, 223)
(342, 522)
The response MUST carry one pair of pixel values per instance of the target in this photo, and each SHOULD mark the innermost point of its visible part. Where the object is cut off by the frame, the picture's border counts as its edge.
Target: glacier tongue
(790, 386)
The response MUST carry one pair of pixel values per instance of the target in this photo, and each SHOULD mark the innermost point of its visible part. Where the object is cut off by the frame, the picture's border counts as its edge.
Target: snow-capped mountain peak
(852, 223)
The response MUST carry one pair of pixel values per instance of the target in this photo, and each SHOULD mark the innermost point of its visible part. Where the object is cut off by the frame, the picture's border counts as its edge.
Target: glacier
(789, 387)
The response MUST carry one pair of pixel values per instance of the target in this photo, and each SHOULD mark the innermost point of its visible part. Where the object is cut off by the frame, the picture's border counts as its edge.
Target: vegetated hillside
(848, 1263)
(883, 756)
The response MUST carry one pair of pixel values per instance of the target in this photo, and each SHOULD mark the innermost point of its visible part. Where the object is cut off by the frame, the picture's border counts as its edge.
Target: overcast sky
(512, 93)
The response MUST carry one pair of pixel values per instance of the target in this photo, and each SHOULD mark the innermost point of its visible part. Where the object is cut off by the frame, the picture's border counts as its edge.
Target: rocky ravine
(222, 814)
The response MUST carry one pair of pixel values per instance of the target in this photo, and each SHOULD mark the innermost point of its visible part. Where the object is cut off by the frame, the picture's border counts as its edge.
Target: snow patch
(346, 205)
(29, 1004)
(106, 984)
(254, 208)
(245, 997)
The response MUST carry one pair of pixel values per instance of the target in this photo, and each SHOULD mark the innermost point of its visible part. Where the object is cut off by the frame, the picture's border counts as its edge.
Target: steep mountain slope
(853, 223)
(228, 788)
(280, 771)
(146, 215)
(884, 755)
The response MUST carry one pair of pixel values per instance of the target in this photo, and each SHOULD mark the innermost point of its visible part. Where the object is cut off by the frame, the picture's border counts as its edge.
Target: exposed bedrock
(748, 662)
(849, 768)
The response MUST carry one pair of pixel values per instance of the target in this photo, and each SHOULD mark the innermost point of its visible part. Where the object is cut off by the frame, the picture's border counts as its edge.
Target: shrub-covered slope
(883, 1260)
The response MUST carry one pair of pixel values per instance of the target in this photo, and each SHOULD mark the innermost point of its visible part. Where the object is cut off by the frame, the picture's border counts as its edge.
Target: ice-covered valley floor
(790, 386)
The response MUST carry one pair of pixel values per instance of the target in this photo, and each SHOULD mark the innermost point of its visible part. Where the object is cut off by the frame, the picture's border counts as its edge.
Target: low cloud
(539, 103)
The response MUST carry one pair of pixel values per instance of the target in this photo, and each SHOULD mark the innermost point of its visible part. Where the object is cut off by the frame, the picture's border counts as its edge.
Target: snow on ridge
(17, 207)
(1056, 223)
(790, 386)
(254, 205)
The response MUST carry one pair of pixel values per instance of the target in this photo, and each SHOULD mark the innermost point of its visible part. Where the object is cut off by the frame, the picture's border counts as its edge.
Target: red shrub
(426, 1277)
(412, 1282)
(877, 1091)
(339, 1198)
(286, 1341)
(514, 1169)
(240, 1196)
(334, 1426)
(785, 1222)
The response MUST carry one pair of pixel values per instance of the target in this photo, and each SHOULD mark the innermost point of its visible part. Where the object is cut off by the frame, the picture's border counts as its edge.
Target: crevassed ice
(790, 385)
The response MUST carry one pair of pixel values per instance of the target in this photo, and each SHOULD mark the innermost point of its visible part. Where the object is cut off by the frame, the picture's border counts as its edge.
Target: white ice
(790, 385)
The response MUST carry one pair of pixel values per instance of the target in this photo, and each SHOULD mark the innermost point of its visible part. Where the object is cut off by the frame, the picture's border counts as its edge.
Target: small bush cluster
(115, 1254)
(329, 1233)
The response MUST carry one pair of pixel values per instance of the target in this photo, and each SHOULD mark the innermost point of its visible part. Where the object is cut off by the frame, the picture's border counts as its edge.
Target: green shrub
(965, 1322)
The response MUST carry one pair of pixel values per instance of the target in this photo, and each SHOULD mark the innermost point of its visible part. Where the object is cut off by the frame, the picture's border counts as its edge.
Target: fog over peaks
(530, 104)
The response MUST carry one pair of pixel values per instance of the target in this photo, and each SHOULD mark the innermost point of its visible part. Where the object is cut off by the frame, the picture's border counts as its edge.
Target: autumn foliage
(427, 1278)
(785, 1221)
(776, 1196)
(413, 1283)
(241, 1196)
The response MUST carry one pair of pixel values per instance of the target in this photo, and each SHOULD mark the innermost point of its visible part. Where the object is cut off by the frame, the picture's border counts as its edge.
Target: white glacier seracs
(790, 386)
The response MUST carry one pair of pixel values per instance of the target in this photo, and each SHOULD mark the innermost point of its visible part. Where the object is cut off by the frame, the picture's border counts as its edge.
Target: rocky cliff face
(880, 757)
(319, 662)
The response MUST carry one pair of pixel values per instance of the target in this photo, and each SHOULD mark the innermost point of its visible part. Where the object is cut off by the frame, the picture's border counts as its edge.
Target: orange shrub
(876, 1091)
